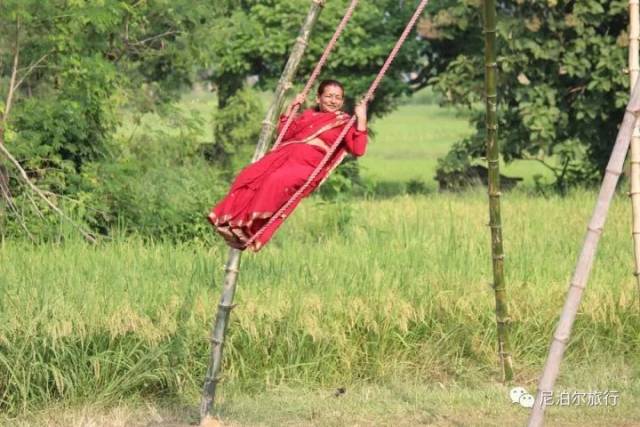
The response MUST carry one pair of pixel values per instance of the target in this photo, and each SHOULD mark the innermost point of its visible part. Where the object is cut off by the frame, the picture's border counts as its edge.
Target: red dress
(263, 187)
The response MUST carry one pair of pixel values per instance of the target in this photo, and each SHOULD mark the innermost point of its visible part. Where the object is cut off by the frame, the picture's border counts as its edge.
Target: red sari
(263, 187)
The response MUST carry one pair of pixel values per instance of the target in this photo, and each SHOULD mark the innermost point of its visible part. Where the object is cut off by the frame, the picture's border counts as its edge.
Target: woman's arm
(361, 116)
(298, 100)
(357, 138)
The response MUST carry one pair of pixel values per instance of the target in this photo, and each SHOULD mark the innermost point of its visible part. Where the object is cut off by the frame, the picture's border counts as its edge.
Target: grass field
(390, 299)
(408, 143)
(375, 296)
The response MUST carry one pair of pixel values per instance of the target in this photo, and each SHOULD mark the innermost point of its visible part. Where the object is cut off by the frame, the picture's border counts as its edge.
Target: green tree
(68, 69)
(562, 85)
(253, 38)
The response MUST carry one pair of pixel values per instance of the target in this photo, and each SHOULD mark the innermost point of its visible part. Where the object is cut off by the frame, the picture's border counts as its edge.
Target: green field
(407, 144)
(390, 299)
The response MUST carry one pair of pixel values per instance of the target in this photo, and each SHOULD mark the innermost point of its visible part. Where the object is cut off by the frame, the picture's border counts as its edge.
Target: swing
(233, 262)
(336, 152)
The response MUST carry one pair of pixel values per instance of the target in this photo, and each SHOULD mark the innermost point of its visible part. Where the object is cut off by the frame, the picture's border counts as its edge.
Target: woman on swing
(263, 187)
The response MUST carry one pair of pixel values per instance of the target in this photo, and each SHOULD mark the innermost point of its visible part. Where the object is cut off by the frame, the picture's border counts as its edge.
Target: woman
(263, 187)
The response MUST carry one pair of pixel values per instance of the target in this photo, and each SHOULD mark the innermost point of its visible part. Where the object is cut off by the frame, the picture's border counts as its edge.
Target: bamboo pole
(233, 262)
(634, 193)
(585, 260)
(495, 221)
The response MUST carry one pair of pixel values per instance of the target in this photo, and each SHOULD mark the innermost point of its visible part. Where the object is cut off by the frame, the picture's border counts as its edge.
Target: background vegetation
(342, 297)
(134, 115)
(93, 120)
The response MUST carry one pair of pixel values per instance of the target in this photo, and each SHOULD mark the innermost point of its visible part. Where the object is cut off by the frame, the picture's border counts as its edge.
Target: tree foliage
(71, 72)
(255, 38)
(562, 82)
(84, 67)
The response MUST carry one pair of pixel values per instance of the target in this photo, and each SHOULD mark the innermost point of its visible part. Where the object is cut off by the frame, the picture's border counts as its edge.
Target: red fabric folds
(263, 187)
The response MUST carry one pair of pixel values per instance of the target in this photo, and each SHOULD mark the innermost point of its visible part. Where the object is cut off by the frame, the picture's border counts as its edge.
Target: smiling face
(331, 99)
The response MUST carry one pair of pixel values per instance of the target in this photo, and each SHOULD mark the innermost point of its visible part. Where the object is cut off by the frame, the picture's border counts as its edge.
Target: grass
(367, 295)
(407, 144)
(388, 298)
(393, 404)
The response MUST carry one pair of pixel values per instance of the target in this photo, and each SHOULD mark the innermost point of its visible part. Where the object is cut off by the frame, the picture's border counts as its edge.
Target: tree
(561, 78)
(69, 69)
(253, 38)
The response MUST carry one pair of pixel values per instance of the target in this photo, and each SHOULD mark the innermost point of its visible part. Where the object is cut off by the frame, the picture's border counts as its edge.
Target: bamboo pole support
(634, 181)
(495, 221)
(585, 260)
(232, 267)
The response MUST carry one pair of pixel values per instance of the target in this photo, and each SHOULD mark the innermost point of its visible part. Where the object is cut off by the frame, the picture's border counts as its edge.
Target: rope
(367, 98)
(317, 69)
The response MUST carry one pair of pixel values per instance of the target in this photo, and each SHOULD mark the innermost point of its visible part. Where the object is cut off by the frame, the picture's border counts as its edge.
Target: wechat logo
(521, 396)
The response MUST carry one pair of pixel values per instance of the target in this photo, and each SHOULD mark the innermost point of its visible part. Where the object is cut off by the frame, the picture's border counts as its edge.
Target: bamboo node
(319, 2)
(561, 340)
(493, 161)
(492, 127)
(576, 285)
(613, 172)
(495, 194)
(498, 257)
(268, 123)
(595, 230)
(226, 306)
(302, 41)
(636, 273)
(228, 269)
(216, 341)
(636, 113)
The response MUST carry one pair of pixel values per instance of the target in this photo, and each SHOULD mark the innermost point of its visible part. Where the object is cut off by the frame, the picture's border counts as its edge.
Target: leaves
(561, 82)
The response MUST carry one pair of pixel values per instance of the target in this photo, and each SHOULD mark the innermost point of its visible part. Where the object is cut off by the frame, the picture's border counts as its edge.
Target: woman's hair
(325, 83)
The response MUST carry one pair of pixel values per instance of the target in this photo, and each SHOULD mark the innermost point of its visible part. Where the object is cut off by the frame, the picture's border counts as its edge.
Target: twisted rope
(317, 69)
(367, 98)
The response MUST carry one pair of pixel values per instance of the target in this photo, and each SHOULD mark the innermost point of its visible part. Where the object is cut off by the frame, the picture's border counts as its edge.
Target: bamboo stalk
(585, 260)
(219, 326)
(634, 193)
(495, 220)
(269, 124)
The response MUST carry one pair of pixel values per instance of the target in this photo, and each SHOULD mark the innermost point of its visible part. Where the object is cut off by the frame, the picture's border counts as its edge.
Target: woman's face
(331, 99)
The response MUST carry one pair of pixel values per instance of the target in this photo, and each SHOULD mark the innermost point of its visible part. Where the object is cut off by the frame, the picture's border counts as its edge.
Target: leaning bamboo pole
(585, 260)
(634, 193)
(495, 221)
(233, 262)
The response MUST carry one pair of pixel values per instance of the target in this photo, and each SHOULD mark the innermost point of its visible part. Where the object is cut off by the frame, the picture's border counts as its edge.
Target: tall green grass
(369, 291)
